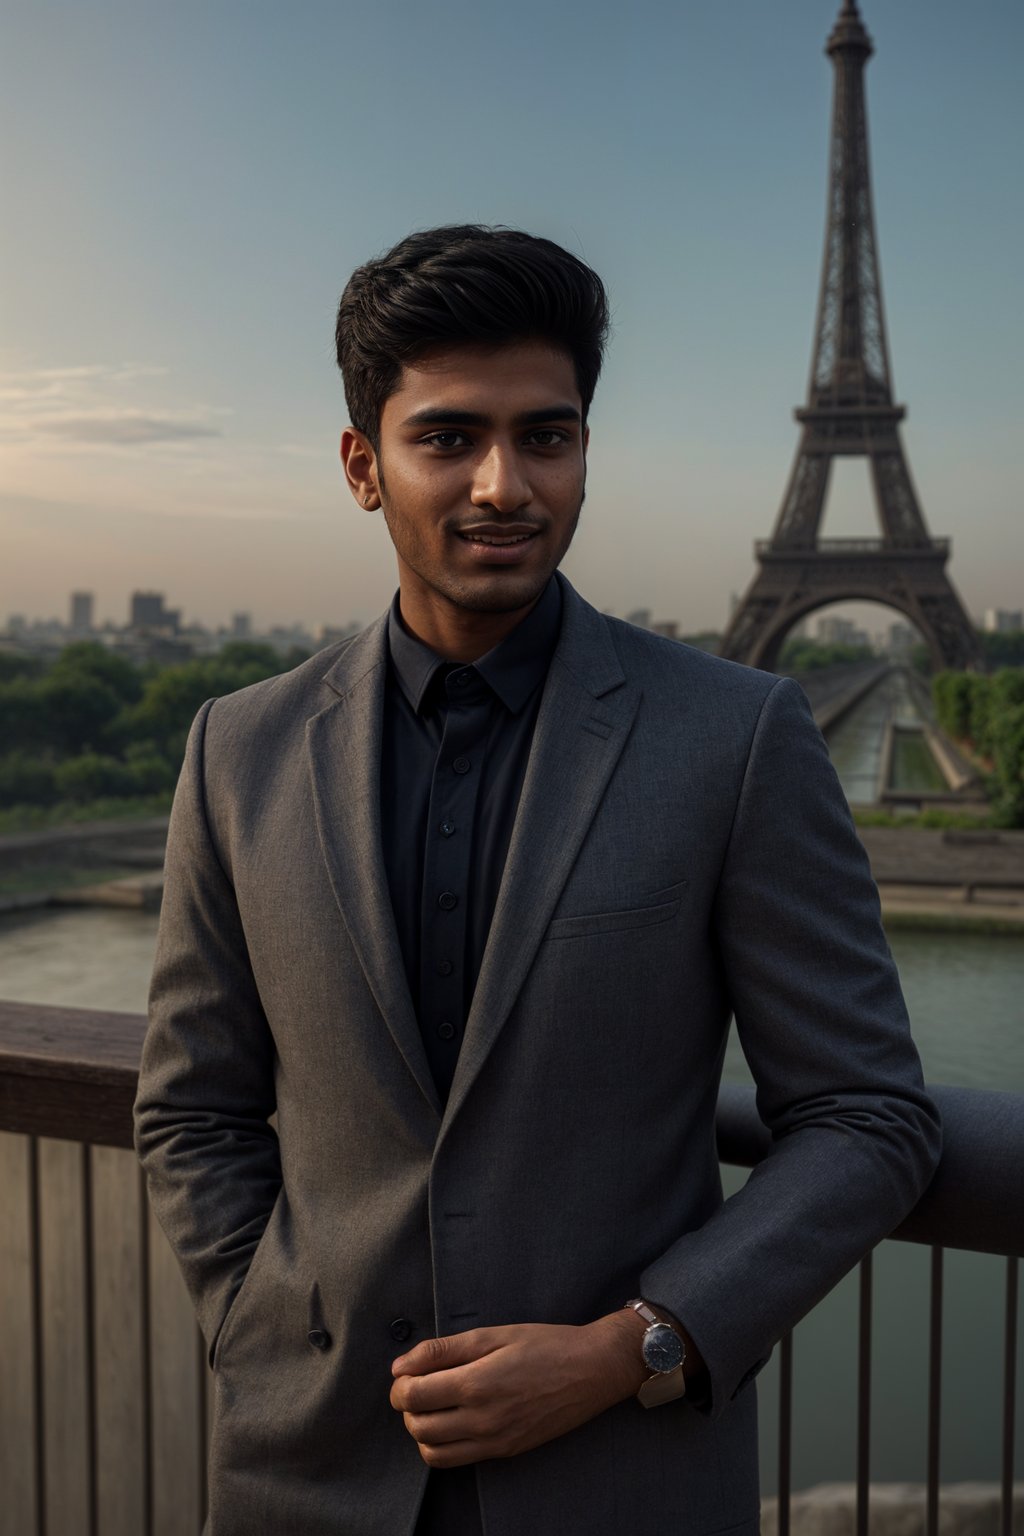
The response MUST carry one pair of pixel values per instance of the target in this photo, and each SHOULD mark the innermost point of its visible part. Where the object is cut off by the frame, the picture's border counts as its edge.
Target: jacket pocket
(660, 910)
(246, 1290)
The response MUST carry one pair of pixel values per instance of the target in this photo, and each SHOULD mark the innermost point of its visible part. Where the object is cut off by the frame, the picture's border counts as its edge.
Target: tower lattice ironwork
(850, 411)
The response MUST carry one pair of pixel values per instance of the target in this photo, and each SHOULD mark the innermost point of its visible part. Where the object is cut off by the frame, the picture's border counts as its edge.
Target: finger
(432, 1394)
(449, 1350)
(443, 1428)
(460, 1453)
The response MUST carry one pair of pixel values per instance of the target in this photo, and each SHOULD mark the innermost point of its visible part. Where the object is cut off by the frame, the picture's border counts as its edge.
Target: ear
(586, 440)
(359, 462)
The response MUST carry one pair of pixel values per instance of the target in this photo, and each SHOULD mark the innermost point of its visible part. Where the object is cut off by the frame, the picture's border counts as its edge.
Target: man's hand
(499, 1391)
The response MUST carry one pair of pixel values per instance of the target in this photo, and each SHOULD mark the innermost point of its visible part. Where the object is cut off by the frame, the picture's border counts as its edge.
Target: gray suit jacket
(681, 852)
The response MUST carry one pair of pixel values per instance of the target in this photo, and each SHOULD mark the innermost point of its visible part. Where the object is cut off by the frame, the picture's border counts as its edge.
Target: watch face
(662, 1348)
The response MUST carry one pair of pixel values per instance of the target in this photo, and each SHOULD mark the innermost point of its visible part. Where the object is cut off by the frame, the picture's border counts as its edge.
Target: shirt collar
(513, 668)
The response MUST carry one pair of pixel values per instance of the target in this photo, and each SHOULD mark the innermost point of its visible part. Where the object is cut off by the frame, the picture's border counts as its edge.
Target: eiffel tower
(850, 411)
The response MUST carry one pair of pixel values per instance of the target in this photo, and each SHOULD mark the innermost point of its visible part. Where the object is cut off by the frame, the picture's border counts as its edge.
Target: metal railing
(974, 1202)
(105, 1390)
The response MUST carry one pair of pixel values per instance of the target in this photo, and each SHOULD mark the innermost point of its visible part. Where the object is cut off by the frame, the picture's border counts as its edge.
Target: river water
(964, 995)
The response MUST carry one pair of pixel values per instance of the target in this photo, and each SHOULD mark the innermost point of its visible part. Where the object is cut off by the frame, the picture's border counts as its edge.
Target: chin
(502, 593)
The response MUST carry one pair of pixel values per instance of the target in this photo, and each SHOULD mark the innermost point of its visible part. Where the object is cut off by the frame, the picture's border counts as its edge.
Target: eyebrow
(433, 416)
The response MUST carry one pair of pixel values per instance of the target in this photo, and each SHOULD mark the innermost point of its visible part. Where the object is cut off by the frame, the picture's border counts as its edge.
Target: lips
(490, 544)
(500, 541)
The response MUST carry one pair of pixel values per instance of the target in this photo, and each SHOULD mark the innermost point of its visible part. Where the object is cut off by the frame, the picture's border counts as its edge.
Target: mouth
(498, 540)
(490, 544)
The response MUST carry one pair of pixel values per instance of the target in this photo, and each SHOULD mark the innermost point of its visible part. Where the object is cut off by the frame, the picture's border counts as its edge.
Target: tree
(87, 658)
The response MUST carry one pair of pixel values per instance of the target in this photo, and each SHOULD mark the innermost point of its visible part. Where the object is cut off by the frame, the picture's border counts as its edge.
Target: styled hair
(460, 284)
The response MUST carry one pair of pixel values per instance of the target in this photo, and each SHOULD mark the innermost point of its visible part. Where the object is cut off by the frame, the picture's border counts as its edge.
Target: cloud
(125, 429)
(98, 406)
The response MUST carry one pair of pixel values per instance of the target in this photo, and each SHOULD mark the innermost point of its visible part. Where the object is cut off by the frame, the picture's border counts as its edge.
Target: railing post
(785, 1431)
(1009, 1395)
(864, 1397)
(934, 1393)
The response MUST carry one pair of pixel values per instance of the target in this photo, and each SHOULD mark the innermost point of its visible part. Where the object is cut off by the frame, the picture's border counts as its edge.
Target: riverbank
(952, 879)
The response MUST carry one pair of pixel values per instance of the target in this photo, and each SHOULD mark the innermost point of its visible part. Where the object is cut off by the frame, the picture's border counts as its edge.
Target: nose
(500, 480)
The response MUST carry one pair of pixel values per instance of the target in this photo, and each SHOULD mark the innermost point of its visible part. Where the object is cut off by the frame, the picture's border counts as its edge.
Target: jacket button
(319, 1338)
(400, 1329)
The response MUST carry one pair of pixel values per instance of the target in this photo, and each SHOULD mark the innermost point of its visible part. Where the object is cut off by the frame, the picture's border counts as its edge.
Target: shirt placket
(447, 868)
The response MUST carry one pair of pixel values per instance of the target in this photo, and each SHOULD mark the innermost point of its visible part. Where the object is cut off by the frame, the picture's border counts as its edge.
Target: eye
(446, 438)
(548, 437)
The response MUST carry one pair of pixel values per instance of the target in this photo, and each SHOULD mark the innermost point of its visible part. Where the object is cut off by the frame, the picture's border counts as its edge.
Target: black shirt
(455, 745)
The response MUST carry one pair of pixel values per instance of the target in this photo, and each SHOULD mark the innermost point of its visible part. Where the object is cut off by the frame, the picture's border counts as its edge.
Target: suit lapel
(344, 747)
(585, 717)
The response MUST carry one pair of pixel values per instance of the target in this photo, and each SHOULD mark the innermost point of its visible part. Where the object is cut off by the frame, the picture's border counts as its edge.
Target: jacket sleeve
(823, 1025)
(206, 1083)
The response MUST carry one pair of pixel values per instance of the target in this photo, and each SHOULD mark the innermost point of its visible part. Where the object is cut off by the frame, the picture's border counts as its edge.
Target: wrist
(617, 1339)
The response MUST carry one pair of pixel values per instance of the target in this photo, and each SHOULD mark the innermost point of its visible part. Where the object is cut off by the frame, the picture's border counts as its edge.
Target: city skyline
(207, 248)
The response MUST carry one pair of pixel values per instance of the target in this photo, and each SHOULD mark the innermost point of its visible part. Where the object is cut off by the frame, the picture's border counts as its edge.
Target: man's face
(480, 474)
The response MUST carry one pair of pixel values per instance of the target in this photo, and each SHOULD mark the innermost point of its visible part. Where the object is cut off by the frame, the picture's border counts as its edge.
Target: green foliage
(1008, 752)
(800, 655)
(91, 776)
(987, 712)
(87, 658)
(19, 664)
(951, 693)
(172, 697)
(94, 730)
(26, 780)
(35, 818)
(933, 817)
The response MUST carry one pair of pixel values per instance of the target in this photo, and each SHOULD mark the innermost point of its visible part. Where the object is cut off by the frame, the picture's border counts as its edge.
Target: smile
(501, 540)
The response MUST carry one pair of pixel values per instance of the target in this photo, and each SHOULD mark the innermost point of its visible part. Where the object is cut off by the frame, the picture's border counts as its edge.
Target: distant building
(81, 613)
(147, 612)
(641, 617)
(241, 626)
(330, 634)
(1003, 621)
(836, 631)
(667, 627)
(899, 641)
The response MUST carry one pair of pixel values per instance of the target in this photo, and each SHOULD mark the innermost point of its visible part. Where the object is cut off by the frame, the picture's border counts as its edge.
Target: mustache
(512, 520)
(521, 524)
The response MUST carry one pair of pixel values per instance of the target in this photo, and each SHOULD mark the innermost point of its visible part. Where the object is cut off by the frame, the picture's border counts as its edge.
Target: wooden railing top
(72, 1073)
(69, 1072)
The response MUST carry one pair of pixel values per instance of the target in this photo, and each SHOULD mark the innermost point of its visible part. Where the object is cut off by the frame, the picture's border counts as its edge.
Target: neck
(457, 634)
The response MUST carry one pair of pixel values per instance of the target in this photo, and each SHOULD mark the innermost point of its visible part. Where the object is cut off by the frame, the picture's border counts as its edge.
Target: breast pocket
(660, 907)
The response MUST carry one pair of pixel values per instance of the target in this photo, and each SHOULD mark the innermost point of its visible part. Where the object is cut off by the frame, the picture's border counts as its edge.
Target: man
(469, 900)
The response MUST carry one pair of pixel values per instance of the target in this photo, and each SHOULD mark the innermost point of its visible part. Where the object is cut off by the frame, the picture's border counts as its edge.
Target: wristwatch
(663, 1353)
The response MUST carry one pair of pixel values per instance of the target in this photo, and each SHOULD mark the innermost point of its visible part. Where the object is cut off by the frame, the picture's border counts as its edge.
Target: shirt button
(447, 901)
(444, 967)
(319, 1338)
(462, 765)
(446, 1031)
(446, 828)
(460, 679)
(400, 1329)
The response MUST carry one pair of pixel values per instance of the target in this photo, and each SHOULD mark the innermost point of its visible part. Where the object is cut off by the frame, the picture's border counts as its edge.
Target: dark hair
(457, 284)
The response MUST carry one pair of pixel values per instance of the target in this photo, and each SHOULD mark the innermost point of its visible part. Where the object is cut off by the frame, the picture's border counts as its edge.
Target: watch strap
(662, 1388)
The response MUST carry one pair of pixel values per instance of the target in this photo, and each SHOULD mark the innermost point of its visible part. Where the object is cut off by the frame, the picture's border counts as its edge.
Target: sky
(187, 188)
